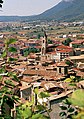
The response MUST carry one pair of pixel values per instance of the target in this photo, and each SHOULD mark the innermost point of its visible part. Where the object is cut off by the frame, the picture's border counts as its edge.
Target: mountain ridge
(66, 10)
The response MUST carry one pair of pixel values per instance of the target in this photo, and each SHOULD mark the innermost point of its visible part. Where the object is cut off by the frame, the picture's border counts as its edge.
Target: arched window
(43, 41)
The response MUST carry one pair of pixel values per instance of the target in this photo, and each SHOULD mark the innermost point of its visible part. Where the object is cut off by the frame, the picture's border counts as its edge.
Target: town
(49, 55)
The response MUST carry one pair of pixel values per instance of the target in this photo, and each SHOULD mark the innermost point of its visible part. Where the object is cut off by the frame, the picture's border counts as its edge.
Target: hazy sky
(26, 7)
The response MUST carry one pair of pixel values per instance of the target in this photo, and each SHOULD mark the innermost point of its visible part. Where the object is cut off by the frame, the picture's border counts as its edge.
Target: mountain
(66, 10)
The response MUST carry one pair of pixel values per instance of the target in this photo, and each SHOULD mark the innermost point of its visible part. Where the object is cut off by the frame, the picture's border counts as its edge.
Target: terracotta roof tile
(63, 47)
(62, 63)
(27, 79)
(81, 74)
(65, 51)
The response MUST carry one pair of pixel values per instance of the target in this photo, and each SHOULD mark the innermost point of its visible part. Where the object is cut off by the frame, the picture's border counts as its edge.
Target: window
(43, 50)
(59, 70)
(65, 71)
(43, 41)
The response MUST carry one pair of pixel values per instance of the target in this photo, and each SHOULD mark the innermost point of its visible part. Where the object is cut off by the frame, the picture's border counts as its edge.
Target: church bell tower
(44, 44)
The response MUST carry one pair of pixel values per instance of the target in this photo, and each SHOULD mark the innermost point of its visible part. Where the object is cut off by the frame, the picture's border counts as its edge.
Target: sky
(26, 7)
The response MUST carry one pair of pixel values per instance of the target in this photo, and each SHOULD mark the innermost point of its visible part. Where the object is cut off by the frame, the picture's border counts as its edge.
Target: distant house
(76, 43)
(26, 92)
(2, 36)
(77, 51)
(65, 36)
(62, 68)
(76, 59)
(63, 52)
(74, 35)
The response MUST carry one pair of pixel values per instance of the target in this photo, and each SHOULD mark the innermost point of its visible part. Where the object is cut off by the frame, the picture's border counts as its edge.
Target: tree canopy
(1, 1)
(67, 41)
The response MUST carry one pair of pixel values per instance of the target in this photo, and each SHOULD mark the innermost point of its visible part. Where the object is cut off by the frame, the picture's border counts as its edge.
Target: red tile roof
(27, 79)
(63, 47)
(53, 53)
(77, 42)
(62, 63)
(65, 51)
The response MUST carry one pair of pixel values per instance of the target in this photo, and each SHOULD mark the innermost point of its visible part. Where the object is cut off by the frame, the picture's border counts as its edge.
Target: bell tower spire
(44, 43)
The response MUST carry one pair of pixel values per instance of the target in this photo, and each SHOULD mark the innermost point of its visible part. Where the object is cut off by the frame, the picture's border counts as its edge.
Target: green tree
(73, 106)
(27, 51)
(67, 41)
(38, 36)
(50, 41)
(77, 100)
(1, 2)
(7, 95)
(67, 110)
(29, 110)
